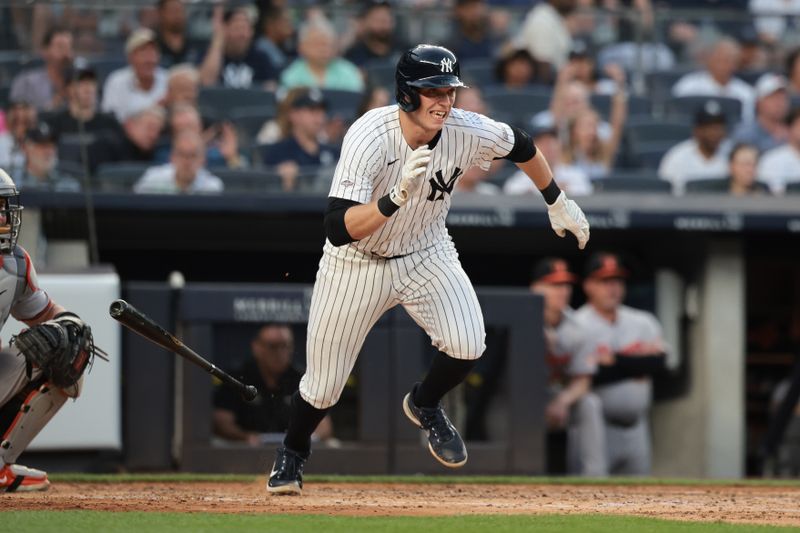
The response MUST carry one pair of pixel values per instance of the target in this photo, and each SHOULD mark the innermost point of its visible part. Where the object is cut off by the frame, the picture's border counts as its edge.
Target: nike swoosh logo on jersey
(390, 163)
(3, 291)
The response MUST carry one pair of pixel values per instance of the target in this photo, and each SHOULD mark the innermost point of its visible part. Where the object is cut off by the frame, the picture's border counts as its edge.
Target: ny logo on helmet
(447, 64)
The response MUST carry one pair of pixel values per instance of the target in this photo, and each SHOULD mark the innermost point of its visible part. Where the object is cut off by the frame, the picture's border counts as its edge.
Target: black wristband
(551, 192)
(386, 206)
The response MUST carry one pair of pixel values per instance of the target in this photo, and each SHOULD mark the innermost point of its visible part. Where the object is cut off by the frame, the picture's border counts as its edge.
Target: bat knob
(250, 393)
(117, 308)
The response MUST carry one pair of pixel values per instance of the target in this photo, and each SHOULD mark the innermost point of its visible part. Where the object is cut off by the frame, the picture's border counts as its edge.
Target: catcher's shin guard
(38, 406)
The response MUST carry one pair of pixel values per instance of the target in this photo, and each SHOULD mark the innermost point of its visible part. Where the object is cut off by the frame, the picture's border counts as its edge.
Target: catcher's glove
(62, 348)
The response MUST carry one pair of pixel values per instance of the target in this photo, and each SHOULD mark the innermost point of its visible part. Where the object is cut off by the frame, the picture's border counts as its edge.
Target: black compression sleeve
(335, 228)
(523, 149)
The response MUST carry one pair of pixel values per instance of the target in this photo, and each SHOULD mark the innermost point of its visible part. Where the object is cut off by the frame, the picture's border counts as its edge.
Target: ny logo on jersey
(447, 64)
(441, 186)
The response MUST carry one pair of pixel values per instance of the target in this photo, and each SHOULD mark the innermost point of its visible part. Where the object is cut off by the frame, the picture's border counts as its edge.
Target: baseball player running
(44, 364)
(387, 244)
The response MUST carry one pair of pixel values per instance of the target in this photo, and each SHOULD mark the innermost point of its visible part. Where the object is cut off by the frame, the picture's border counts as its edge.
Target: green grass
(85, 521)
(527, 480)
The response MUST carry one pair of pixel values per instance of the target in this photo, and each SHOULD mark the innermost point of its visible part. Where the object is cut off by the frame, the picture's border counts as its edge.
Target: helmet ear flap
(407, 98)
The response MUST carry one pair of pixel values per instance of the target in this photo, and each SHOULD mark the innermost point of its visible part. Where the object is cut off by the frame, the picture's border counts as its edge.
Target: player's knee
(319, 401)
(466, 348)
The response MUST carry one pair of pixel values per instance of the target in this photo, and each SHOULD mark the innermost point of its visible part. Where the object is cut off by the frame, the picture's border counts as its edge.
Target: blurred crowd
(178, 97)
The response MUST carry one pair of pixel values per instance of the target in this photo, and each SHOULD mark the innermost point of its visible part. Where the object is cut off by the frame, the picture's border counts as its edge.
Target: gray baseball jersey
(625, 403)
(409, 261)
(20, 297)
(566, 358)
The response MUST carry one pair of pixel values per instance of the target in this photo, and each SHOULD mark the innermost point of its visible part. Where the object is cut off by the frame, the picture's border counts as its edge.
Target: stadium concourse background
(719, 270)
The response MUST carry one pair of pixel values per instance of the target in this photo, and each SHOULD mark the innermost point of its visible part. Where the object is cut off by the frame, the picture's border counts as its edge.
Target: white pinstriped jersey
(373, 155)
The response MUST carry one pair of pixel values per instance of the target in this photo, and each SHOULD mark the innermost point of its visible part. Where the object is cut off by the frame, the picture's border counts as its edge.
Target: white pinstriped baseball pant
(354, 289)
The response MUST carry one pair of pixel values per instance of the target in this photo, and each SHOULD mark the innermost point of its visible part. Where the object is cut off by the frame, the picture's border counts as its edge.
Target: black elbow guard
(335, 228)
(523, 149)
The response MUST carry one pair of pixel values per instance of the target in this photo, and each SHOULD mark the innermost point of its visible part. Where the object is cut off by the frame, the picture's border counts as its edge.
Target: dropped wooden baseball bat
(136, 321)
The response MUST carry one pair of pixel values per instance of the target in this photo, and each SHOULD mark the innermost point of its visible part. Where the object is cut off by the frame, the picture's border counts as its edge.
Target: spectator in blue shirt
(472, 36)
(376, 34)
(300, 151)
(232, 59)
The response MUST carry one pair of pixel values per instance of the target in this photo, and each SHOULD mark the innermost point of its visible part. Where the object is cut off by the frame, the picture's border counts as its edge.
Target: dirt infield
(742, 504)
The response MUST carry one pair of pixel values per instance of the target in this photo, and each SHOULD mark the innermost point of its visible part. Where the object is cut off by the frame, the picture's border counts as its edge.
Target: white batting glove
(411, 175)
(565, 215)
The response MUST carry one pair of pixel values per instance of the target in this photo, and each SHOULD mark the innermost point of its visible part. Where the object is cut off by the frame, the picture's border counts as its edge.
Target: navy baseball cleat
(444, 442)
(287, 473)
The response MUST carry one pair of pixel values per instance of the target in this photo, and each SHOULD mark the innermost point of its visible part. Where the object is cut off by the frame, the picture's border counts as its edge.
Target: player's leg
(350, 294)
(637, 460)
(586, 440)
(26, 408)
(439, 296)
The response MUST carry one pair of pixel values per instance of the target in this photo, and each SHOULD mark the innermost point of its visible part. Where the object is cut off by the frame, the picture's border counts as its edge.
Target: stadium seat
(121, 176)
(635, 173)
(686, 106)
(631, 184)
(12, 62)
(708, 185)
(751, 76)
(646, 130)
(343, 104)
(70, 147)
(221, 102)
(380, 73)
(659, 83)
(793, 188)
(649, 154)
(478, 72)
(638, 106)
(506, 170)
(248, 180)
(249, 120)
(71, 168)
(520, 105)
(105, 66)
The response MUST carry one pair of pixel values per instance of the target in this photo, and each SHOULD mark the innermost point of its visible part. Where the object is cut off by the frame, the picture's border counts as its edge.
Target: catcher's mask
(9, 211)
(425, 66)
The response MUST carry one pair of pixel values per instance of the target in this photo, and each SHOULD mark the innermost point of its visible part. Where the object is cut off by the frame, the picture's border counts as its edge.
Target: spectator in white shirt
(773, 18)
(545, 33)
(768, 129)
(140, 85)
(718, 79)
(781, 165)
(570, 178)
(704, 155)
(185, 173)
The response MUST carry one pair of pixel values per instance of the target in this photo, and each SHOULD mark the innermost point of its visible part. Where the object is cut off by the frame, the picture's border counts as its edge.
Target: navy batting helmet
(425, 66)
